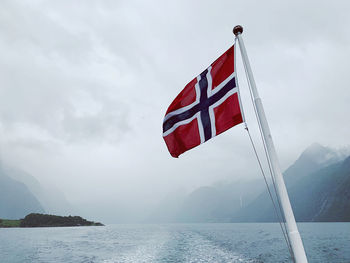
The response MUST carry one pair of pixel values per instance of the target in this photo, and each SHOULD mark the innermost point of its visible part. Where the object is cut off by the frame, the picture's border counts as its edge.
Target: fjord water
(249, 242)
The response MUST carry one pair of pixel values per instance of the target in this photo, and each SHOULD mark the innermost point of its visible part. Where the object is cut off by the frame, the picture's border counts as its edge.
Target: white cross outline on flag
(210, 92)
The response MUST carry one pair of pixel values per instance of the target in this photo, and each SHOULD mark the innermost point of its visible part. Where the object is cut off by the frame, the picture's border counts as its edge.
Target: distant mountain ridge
(327, 192)
(16, 200)
(310, 181)
(312, 159)
(214, 203)
(21, 194)
(318, 184)
(52, 200)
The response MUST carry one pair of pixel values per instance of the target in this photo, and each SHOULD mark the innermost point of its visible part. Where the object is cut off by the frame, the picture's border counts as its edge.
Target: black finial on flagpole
(238, 30)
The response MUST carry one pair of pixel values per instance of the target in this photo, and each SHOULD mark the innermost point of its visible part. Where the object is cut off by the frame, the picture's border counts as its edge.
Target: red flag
(206, 107)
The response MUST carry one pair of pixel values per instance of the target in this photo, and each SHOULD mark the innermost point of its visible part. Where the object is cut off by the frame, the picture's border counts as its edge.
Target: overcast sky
(85, 86)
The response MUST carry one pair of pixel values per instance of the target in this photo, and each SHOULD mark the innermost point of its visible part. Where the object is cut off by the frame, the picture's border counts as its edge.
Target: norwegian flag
(206, 107)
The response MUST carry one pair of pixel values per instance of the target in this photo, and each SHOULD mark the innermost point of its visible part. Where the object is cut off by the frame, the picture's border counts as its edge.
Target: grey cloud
(45, 67)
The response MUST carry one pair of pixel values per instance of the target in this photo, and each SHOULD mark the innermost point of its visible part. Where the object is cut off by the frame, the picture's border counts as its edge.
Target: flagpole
(292, 229)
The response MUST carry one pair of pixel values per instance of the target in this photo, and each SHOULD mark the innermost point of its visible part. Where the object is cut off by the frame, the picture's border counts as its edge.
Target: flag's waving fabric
(206, 107)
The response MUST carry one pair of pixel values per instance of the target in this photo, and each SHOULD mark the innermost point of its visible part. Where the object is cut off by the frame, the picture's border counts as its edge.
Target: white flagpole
(292, 229)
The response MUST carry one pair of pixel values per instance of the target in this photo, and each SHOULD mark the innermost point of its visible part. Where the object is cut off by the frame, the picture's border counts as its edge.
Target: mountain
(16, 201)
(52, 200)
(315, 184)
(215, 203)
(202, 205)
(48, 199)
(218, 202)
(318, 184)
(336, 206)
(312, 159)
(323, 195)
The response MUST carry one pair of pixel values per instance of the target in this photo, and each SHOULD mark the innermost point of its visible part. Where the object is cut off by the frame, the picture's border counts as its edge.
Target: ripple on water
(172, 243)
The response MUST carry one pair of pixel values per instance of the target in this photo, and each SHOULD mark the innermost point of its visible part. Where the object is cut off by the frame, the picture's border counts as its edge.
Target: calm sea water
(324, 242)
